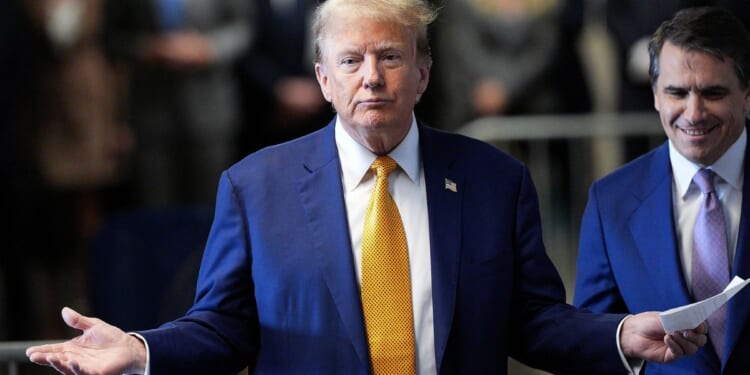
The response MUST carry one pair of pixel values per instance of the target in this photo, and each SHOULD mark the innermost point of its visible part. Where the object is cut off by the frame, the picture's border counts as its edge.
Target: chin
(699, 157)
(374, 122)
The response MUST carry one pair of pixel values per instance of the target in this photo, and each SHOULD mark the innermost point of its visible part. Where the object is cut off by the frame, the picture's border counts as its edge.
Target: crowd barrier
(13, 355)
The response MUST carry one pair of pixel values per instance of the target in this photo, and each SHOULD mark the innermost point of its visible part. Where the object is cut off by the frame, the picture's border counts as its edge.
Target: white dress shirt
(687, 198)
(407, 186)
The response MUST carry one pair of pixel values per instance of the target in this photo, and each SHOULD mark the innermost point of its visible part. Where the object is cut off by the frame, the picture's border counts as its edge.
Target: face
(701, 103)
(371, 74)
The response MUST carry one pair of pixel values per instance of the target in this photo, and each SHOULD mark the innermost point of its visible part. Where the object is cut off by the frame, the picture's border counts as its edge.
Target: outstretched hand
(643, 337)
(101, 349)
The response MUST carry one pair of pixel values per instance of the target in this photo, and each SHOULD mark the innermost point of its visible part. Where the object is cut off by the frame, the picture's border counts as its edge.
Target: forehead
(678, 65)
(347, 33)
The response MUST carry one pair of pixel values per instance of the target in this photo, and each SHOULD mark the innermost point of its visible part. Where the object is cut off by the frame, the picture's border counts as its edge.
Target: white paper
(690, 316)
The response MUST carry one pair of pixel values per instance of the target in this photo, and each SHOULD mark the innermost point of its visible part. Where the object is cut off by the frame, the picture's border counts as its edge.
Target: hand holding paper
(690, 316)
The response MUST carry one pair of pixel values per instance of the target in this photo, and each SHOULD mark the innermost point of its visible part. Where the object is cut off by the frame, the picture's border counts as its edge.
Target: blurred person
(288, 284)
(68, 145)
(642, 244)
(181, 97)
(82, 140)
(515, 57)
(278, 76)
(510, 58)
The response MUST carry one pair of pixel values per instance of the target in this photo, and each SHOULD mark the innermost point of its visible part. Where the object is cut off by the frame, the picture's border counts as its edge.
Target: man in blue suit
(636, 248)
(279, 286)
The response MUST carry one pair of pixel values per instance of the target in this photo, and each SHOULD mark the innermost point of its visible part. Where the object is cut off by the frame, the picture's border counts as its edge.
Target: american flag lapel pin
(450, 185)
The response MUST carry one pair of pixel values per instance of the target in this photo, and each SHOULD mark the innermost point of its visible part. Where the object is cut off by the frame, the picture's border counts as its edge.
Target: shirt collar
(728, 167)
(356, 159)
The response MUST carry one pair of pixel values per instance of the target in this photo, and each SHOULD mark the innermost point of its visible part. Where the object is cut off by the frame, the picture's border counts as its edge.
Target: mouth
(697, 131)
(373, 102)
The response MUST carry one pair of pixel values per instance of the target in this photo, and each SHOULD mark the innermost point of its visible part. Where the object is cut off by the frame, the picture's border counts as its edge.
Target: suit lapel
(739, 306)
(652, 229)
(321, 194)
(330, 233)
(444, 211)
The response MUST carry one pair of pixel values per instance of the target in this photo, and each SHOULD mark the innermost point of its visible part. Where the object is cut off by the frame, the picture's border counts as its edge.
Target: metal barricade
(13, 354)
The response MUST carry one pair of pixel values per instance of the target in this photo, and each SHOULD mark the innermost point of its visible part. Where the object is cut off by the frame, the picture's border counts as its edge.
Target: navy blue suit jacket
(629, 259)
(277, 289)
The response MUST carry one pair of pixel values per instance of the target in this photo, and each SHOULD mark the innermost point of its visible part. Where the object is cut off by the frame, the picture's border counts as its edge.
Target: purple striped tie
(710, 270)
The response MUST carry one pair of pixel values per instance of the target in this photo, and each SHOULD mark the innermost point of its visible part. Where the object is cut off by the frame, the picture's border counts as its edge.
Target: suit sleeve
(219, 334)
(549, 334)
(596, 288)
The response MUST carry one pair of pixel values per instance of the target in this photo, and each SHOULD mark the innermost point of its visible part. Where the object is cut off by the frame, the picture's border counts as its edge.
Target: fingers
(66, 367)
(45, 354)
(76, 368)
(674, 349)
(59, 362)
(40, 351)
(685, 342)
(687, 346)
(697, 336)
(36, 357)
(75, 320)
(58, 365)
(691, 340)
(701, 329)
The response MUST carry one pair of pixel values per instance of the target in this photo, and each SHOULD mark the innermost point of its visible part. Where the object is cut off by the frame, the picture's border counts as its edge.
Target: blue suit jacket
(629, 259)
(277, 289)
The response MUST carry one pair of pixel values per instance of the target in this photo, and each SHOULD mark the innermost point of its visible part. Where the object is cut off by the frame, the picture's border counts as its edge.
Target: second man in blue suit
(636, 248)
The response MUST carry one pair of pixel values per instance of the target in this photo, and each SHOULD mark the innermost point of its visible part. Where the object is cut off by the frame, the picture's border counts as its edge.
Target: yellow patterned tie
(386, 286)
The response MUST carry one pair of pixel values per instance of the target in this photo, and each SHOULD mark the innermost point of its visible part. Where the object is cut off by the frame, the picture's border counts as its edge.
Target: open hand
(101, 349)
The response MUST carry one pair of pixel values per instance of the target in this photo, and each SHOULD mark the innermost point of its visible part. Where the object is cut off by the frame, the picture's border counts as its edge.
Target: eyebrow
(710, 88)
(379, 47)
(714, 89)
(388, 45)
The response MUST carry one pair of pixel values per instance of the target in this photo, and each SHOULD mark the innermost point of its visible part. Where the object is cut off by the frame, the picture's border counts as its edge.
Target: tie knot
(383, 166)
(705, 180)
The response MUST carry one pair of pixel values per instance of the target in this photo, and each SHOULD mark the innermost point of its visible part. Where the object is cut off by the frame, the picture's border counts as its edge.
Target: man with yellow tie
(375, 245)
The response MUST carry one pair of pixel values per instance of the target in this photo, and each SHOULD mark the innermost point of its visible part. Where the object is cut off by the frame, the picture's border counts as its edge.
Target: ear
(746, 104)
(424, 77)
(322, 76)
(656, 98)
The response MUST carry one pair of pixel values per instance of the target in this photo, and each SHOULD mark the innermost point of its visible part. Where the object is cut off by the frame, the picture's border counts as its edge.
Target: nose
(372, 76)
(694, 109)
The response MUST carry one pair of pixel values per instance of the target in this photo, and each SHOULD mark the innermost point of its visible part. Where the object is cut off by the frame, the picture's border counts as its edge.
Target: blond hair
(415, 14)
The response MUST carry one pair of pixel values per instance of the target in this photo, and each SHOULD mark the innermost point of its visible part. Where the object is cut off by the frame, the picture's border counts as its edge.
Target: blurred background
(117, 118)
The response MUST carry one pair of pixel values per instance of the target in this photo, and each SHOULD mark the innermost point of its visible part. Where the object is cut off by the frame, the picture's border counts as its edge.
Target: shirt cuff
(633, 366)
(148, 355)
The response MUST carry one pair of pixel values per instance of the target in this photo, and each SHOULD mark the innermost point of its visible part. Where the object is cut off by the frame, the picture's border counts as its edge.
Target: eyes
(676, 92)
(389, 59)
(708, 93)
